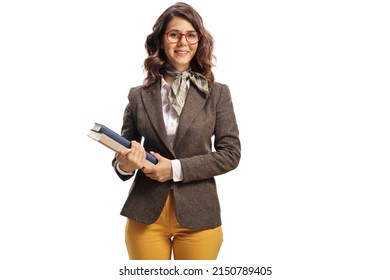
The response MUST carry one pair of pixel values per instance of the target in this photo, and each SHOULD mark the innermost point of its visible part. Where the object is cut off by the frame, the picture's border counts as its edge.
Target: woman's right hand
(131, 159)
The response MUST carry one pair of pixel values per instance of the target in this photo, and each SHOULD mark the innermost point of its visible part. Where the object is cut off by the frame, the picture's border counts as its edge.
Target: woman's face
(179, 54)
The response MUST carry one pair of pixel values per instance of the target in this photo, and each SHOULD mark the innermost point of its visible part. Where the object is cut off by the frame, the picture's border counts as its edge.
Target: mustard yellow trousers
(157, 241)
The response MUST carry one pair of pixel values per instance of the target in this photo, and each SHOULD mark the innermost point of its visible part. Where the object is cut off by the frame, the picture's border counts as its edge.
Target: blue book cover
(120, 139)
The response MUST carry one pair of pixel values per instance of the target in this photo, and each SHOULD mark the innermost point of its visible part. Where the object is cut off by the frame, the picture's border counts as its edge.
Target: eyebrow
(169, 30)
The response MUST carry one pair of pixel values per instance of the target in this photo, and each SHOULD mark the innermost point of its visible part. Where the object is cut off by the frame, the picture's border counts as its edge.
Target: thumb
(157, 155)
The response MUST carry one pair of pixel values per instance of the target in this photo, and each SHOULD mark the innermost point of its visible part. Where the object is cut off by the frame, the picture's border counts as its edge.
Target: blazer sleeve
(227, 144)
(129, 128)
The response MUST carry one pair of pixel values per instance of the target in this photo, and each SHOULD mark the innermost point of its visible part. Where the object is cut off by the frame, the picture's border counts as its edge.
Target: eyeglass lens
(174, 37)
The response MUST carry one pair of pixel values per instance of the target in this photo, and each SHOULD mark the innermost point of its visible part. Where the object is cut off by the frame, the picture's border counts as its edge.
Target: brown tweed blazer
(196, 200)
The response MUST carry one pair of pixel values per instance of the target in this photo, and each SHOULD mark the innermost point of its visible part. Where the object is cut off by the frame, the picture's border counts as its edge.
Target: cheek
(165, 46)
(166, 52)
(194, 49)
(168, 49)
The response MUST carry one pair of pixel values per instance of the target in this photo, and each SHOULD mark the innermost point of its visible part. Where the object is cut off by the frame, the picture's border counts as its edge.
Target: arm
(227, 145)
(128, 160)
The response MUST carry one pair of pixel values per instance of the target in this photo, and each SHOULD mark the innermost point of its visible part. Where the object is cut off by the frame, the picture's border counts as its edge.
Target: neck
(180, 68)
(169, 79)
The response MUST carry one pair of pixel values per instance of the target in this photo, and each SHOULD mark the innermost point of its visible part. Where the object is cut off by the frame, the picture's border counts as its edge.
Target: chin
(181, 66)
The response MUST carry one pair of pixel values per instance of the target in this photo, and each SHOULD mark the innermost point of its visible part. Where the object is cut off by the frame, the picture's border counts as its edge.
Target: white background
(310, 85)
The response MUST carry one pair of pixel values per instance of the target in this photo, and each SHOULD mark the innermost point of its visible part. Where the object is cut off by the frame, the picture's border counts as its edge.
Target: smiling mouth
(181, 53)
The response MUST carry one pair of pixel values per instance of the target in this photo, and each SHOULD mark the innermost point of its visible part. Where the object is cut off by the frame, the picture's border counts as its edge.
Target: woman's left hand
(160, 172)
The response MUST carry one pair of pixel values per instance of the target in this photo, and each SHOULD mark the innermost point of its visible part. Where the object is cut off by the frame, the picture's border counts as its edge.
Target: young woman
(187, 121)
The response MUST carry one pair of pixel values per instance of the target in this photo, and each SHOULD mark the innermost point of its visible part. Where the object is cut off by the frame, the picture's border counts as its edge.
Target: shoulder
(218, 90)
(135, 93)
(218, 87)
(136, 90)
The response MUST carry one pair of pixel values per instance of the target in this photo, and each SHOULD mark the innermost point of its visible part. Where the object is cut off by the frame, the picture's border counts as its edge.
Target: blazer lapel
(194, 103)
(151, 98)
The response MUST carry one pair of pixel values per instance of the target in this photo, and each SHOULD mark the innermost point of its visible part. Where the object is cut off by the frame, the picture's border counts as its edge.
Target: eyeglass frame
(185, 36)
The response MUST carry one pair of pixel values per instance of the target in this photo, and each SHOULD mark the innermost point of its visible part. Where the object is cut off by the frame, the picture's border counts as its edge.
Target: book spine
(113, 135)
(122, 140)
(151, 158)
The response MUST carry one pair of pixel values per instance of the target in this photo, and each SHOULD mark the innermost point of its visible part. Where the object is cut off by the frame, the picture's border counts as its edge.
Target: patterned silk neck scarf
(178, 92)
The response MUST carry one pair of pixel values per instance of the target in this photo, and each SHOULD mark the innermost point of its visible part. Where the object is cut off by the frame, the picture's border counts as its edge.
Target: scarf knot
(178, 91)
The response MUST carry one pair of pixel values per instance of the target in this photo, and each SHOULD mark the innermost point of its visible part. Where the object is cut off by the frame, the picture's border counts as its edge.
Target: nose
(182, 39)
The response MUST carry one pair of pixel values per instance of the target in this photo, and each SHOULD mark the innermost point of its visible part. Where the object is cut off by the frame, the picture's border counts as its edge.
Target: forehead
(180, 24)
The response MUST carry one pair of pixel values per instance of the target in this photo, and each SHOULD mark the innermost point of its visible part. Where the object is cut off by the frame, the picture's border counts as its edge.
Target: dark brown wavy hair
(204, 58)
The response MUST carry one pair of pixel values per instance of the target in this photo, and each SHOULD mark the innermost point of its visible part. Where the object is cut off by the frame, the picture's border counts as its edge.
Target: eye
(174, 35)
(192, 35)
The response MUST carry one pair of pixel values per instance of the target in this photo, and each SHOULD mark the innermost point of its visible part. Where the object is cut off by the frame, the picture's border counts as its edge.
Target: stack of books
(113, 140)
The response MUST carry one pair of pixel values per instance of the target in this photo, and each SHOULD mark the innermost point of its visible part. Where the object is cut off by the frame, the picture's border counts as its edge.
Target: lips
(181, 53)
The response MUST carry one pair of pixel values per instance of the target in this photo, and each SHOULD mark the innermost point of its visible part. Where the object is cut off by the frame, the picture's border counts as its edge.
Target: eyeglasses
(173, 37)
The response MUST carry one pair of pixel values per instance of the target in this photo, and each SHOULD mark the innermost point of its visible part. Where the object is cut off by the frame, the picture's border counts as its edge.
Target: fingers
(131, 159)
(137, 152)
(121, 155)
(162, 171)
